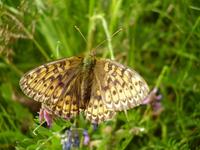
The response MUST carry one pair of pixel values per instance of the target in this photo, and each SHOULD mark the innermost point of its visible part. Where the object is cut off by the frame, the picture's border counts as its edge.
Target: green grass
(159, 39)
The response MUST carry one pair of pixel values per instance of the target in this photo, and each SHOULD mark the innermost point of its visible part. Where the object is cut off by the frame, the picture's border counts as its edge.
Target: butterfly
(96, 87)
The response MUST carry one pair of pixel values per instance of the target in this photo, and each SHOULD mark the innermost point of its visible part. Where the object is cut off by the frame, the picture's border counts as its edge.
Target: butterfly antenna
(107, 39)
(80, 33)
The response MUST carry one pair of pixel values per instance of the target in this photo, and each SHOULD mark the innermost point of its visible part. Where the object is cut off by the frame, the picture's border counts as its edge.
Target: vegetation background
(159, 39)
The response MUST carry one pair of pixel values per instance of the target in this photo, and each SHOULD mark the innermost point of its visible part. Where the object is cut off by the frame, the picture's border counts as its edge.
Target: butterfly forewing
(48, 83)
(121, 87)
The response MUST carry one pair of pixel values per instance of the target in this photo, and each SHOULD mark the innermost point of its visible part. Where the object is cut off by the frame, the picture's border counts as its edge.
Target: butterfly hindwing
(121, 87)
(96, 110)
(70, 102)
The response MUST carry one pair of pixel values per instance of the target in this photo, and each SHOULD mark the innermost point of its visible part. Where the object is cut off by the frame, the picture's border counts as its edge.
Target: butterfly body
(97, 87)
(86, 76)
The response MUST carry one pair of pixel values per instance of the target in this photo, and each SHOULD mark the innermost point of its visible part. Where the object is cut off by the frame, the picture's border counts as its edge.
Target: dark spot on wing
(114, 92)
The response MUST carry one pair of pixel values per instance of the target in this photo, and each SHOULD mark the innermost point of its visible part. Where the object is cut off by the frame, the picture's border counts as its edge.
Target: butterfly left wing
(121, 87)
(56, 85)
(69, 103)
(47, 82)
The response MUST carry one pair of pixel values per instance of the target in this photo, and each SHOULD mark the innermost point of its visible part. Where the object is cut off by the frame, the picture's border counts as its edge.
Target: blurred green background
(159, 39)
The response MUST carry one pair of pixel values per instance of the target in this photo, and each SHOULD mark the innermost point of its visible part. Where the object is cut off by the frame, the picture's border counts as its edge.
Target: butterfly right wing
(121, 87)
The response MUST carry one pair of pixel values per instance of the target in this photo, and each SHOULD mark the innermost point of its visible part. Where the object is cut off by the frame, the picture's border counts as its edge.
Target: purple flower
(67, 140)
(45, 115)
(76, 139)
(66, 145)
(86, 139)
(41, 115)
(154, 99)
(71, 138)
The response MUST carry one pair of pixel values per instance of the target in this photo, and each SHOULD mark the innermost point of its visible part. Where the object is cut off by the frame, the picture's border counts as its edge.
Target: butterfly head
(93, 53)
(89, 60)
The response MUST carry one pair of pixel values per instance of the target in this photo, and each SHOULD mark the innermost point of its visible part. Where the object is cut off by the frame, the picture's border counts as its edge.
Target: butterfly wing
(121, 87)
(70, 102)
(55, 85)
(96, 110)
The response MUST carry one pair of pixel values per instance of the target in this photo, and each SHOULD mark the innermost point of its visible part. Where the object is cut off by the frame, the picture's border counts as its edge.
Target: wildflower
(86, 139)
(154, 99)
(67, 140)
(45, 115)
(76, 141)
(71, 138)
